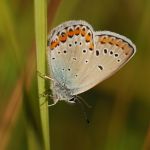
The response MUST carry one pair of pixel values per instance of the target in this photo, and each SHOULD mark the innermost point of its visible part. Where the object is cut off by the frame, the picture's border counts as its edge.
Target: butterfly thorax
(61, 92)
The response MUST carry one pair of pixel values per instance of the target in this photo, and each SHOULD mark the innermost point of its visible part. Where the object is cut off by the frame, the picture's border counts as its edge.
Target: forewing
(70, 46)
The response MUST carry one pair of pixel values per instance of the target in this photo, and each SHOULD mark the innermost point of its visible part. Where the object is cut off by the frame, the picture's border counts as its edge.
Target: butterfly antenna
(77, 100)
(85, 103)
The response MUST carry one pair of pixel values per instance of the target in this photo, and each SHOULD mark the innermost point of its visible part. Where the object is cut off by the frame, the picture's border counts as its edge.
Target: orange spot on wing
(91, 47)
(83, 32)
(127, 49)
(104, 39)
(88, 38)
(119, 43)
(77, 31)
(112, 41)
(54, 44)
(70, 33)
(63, 37)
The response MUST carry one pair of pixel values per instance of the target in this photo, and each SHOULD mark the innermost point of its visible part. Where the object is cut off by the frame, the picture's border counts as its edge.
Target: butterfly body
(61, 92)
(80, 58)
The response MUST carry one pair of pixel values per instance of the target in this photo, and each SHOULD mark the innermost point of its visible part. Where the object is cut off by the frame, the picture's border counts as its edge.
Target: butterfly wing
(70, 45)
(111, 52)
(81, 58)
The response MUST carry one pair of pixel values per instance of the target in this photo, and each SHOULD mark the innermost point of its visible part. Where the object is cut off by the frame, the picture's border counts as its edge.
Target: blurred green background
(120, 113)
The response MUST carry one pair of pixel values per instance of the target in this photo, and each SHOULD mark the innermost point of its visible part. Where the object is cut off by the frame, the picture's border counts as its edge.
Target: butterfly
(80, 58)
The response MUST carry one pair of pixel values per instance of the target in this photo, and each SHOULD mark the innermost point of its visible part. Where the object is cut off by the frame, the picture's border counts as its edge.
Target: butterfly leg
(51, 96)
(44, 76)
(52, 104)
(55, 100)
(46, 93)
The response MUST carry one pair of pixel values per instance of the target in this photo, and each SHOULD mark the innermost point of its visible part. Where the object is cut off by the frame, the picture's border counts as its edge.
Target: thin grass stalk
(41, 40)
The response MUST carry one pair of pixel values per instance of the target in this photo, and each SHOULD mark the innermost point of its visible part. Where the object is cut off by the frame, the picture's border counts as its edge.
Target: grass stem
(41, 40)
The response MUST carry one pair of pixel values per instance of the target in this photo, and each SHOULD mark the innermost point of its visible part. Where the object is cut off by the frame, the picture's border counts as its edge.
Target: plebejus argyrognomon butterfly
(79, 58)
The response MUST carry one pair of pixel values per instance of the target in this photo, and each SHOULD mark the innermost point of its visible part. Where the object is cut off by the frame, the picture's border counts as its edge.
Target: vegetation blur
(120, 113)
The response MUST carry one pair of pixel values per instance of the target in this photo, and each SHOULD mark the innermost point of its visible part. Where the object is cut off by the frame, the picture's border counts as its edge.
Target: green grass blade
(41, 40)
